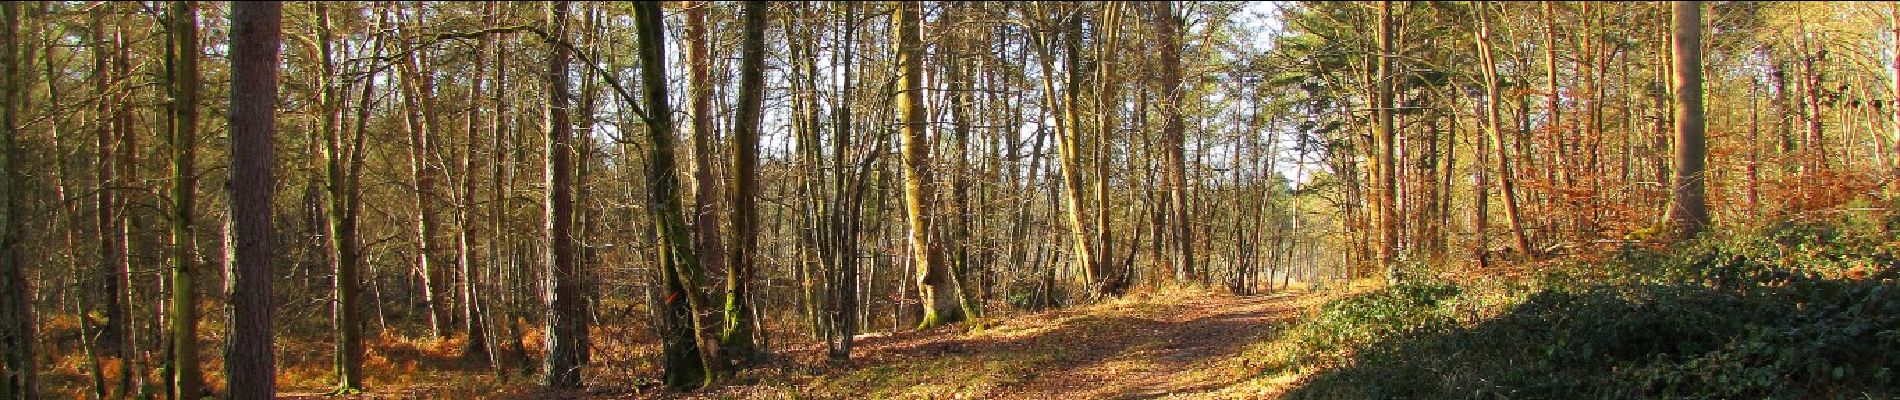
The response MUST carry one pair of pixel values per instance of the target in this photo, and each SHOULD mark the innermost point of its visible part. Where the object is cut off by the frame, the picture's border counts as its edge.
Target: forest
(949, 199)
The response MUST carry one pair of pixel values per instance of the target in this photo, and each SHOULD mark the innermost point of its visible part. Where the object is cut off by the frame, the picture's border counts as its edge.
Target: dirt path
(1186, 346)
(1193, 345)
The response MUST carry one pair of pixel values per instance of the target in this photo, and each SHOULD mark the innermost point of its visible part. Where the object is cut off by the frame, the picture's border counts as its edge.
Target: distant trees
(893, 165)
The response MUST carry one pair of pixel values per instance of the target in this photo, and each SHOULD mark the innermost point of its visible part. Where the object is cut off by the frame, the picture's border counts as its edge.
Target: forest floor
(1184, 344)
(1173, 345)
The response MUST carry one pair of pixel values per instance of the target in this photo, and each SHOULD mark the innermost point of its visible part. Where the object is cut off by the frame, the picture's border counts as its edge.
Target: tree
(1492, 95)
(936, 286)
(342, 199)
(736, 340)
(685, 365)
(182, 120)
(1174, 136)
(249, 361)
(418, 94)
(705, 185)
(1688, 208)
(567, 339)
(16, 318)
(1068, 147)
(1382, 131)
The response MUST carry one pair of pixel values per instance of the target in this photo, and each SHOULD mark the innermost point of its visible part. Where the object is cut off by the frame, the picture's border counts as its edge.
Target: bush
(1804, 310)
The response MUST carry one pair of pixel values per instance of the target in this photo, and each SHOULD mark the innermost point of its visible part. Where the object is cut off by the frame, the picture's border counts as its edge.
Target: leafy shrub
(1794, 310)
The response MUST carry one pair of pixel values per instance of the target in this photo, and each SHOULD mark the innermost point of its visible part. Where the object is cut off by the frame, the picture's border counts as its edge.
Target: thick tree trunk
(1688, 210)
(567, 339)
(16, 320)
(1174, 137)
(255, 31)
(736, 340)
(182, 86)
(1383, 134)
(684, 330)
(936, 286)
(705, 139)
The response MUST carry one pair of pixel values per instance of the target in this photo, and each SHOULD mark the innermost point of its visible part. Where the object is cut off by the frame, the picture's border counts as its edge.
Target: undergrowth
(1792, 310)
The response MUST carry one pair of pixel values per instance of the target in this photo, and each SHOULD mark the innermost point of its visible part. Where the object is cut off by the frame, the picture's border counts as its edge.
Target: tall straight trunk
(1481, 190)
(182, 117)
(112, 330)
(473, 322)
(501, 171)
(1688, 208)
(255, 38)
(1174, 136)
(1508, 182)
(1753, 169)
(1067, 147)
(343, 156)
(16, 319)
(936, 286)
(736, 340)
(567, 339)
(1894, 103)
(1559, 146)
(1108, 281)
(846, 222)
(127, 163)
(418, 78)
(1388, 164)
(683, 328)
(705, 138)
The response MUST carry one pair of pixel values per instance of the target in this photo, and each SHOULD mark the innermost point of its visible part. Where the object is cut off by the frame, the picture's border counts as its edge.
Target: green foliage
(1794, 310)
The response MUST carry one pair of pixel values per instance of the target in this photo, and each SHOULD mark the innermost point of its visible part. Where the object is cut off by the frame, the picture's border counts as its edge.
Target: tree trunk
(567, 313)
(1388, 164)
(1174, 130)
(1688, 210)
(182, 87)
(684, 330)
(111, 331)
(249, 361)
(936, 286)
(418, 93)
(16, 319)
(343, 164)
(1508, 181)
(736, 341)
(705, 139)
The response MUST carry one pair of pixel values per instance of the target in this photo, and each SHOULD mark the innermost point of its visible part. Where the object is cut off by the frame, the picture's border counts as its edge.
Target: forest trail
(1187, 345)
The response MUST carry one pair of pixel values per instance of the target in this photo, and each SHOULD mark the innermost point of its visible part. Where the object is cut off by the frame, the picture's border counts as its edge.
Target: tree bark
(705, 138)
(1688, 210)
(1174, 136)
(17, 334)
(736, 340)
(936, 286)
(255, 37)
(684, 331)
(567, 339)
(1507, 181)
(1383, 134)
(182, 87)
